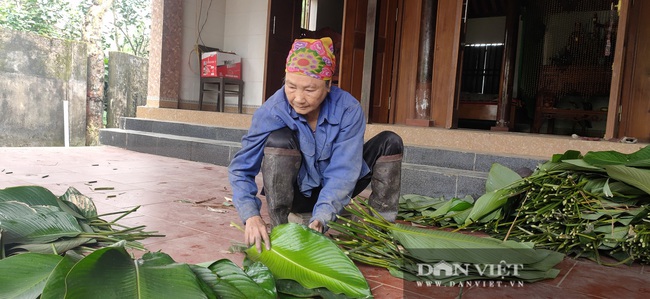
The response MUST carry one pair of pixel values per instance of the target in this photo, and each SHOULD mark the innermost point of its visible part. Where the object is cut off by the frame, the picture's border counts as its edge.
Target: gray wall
(37, 74)
(127, 86)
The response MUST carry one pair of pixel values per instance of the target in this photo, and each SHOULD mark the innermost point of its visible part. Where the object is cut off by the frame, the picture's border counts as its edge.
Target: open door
(284, 27)
(635, 112)
(352, 55)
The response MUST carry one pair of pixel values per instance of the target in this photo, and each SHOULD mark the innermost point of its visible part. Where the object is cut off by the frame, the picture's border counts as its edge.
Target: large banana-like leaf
(303, 255)
(487, 204)
(58, 247)
(575, 165)
(636, 177)
(434, 245)
(72, 202)
(500, 180)
(261, 275)
(31, 195)
(230, 281)
(570, 154)
(111, 273)
(292, 289)
(79, 203)
(25, 275)
(500, 177)
(640, 158)
(55, 286)
(37, 224)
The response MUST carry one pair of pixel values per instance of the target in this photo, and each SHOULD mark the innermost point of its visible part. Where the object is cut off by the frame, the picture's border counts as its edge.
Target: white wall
(245, 34)
(232, 25)
(211, 35)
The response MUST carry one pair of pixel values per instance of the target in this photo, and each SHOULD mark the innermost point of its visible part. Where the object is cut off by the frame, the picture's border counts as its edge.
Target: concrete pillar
(165, 53)
(422, 110)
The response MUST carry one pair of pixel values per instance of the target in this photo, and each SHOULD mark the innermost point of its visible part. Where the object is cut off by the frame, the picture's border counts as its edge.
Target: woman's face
(305, 94)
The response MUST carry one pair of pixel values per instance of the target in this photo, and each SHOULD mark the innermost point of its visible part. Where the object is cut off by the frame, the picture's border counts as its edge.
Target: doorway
(562, 73)
(353, 54)
(292, 19)
(635, 112)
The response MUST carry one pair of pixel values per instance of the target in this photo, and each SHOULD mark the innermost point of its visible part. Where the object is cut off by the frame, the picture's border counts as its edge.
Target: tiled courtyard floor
(184, 201)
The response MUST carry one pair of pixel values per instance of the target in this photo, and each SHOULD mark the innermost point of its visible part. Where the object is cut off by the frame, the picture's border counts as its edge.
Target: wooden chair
(221, 85)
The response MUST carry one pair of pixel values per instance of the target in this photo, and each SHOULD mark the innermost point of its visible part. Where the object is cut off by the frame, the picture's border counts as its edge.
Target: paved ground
(184, 200)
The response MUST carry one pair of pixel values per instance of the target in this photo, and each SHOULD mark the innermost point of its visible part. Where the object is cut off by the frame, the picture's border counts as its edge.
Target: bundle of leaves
(301, 263)
(586, 206)
(33, 219)
(419, 254)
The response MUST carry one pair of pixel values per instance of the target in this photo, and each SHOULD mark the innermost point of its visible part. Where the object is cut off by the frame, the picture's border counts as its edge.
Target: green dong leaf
(301, 254)
(29, 274)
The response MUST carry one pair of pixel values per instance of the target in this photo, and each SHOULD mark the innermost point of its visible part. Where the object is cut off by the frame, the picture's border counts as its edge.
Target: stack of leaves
(418, 254)
(302, 263)
(585, 206)
(33, 219)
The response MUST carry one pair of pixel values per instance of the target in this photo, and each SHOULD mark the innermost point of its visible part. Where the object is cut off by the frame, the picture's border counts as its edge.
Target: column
(421, 116)
(165, 53)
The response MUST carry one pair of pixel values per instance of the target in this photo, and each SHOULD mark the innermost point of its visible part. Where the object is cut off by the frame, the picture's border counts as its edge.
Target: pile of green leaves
(110, 272)
(587, 205)
(301, 263)
(406, 250)
(33, 219)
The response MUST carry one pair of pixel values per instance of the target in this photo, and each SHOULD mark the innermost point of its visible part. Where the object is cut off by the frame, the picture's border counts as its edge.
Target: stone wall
(37, 74)
(127, 86)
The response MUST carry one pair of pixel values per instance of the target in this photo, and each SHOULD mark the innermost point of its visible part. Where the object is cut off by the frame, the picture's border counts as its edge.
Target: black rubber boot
(385, 184)
(279, 171)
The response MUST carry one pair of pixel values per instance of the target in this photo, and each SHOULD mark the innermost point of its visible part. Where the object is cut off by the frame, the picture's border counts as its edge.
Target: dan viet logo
(487, 272)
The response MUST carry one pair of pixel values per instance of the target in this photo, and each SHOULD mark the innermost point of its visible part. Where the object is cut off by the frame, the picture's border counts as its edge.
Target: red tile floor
(184, 201)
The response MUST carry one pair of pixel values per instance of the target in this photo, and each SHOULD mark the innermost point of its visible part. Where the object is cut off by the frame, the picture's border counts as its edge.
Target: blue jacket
(332, 156)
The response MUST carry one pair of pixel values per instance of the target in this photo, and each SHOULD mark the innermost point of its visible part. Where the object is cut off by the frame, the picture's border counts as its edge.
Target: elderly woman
(308, 141)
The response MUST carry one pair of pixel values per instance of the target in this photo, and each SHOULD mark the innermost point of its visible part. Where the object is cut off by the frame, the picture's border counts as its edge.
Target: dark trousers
(386, 143)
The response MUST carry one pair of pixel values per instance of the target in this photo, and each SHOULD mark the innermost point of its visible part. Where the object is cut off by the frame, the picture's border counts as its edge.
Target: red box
(220, 64)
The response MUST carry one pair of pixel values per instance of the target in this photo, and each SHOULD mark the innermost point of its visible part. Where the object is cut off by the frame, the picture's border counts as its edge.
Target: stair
(426, 171)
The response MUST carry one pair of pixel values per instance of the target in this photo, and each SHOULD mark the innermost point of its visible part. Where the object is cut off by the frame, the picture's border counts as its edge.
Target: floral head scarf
(312, 57)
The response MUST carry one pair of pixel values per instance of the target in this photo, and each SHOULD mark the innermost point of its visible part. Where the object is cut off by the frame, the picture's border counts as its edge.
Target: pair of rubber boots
(280, 169)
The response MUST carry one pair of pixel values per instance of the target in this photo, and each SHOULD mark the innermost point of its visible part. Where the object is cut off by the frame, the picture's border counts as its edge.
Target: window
(482, 68)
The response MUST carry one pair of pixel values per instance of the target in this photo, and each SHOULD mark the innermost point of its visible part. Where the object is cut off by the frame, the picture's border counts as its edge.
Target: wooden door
(383, 67)
(459, 68)
(284, 27)
(635, 95)
(354, 37)
(352, 55)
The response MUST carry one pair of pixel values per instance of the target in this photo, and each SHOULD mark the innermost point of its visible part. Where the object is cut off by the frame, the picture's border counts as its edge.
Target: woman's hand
(317, 226)
(256, 233)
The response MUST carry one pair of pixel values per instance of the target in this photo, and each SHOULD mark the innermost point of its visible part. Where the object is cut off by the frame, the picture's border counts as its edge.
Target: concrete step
(218, 152)
(426, 171)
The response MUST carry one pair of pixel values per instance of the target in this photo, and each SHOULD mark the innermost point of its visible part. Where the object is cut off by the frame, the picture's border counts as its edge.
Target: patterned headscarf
(312, 57)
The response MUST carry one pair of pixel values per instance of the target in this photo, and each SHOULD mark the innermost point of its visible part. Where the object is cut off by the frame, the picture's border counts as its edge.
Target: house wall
(245, 33)
(231, 25)
(204, 23)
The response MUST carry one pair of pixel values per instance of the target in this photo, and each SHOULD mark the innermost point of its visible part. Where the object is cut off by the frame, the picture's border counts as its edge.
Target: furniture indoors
(557, 82)
(223, 86)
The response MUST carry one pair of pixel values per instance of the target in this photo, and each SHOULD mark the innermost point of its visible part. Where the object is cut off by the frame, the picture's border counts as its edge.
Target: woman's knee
(393, 143)
(282, 138)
